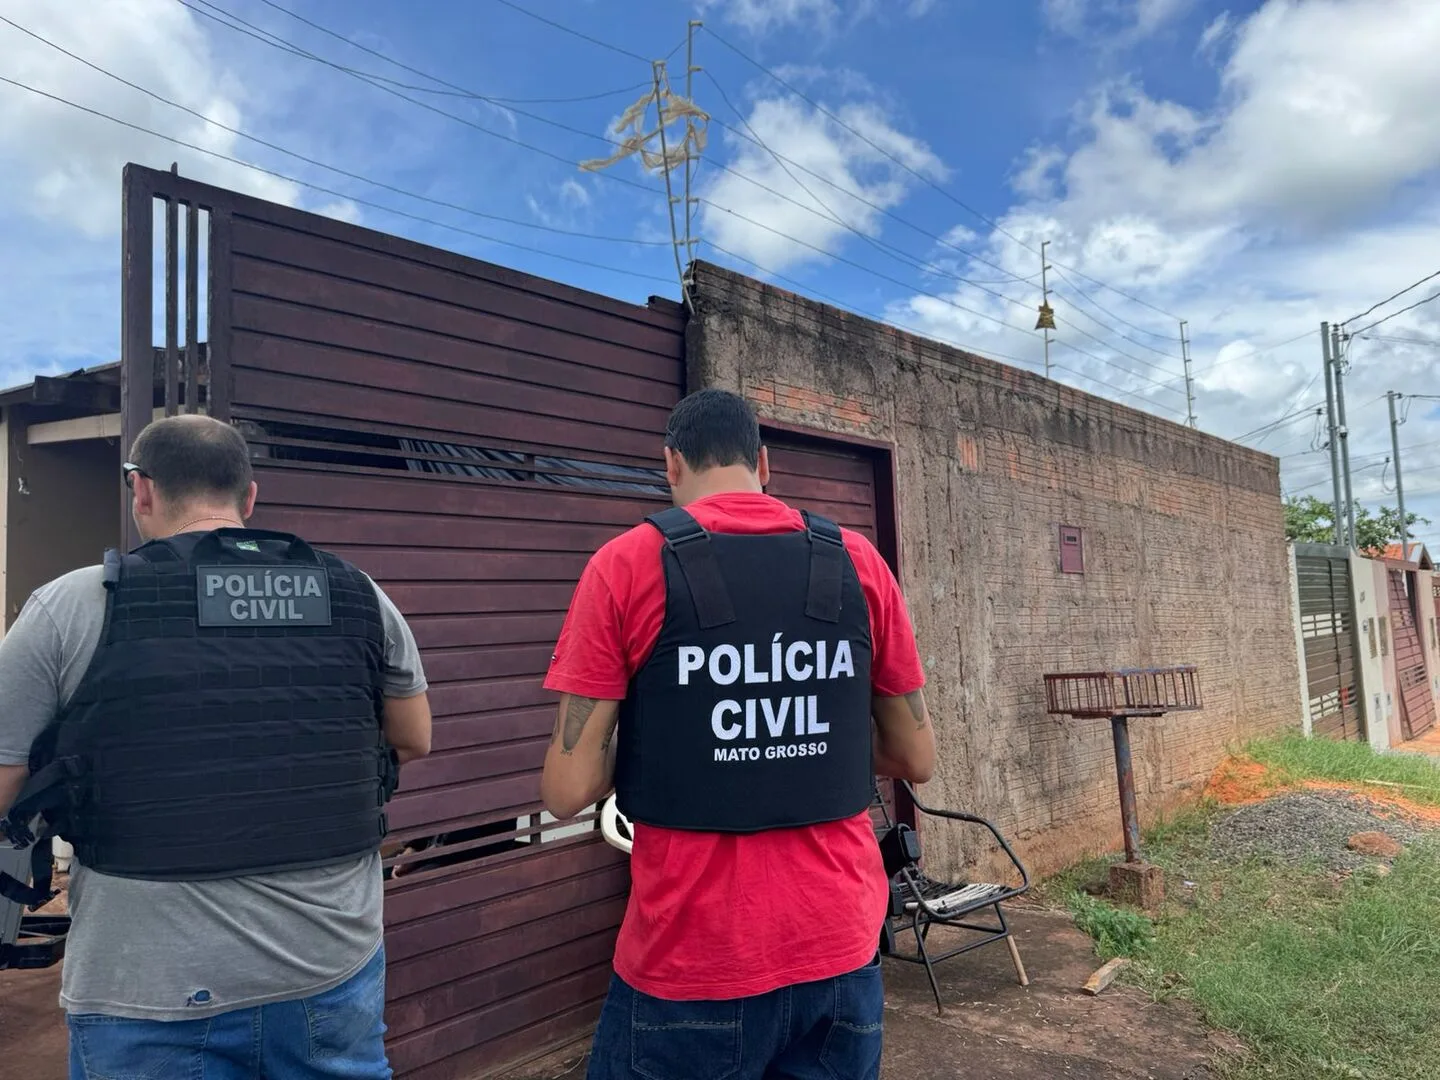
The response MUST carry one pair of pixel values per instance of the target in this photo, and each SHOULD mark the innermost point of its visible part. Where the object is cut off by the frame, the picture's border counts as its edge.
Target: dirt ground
(992, 1029)
(32, 1027)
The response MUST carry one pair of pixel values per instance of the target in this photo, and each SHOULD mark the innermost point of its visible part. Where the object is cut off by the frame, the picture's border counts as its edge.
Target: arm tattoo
(610, 732)
(915, 701)
(577, 714)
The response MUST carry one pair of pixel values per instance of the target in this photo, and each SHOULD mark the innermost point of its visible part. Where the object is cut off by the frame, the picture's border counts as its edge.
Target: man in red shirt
(761, 669)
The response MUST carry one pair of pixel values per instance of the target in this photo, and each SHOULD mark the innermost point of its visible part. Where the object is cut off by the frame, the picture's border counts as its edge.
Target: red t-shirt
(711, 915)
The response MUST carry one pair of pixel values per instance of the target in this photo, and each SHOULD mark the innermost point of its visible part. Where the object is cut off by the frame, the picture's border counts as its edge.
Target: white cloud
(860, 178)
(574, 193)
(763, 16)
(1217, 32)
(1118, 21)
(64, 165)
(1309, 189)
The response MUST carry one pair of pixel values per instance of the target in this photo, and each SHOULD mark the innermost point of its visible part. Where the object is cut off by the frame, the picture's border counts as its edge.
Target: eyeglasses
(128, 470)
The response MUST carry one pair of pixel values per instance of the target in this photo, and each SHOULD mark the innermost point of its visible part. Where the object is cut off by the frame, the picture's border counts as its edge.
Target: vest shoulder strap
(698, 565)
(39, 892)
(827, 567)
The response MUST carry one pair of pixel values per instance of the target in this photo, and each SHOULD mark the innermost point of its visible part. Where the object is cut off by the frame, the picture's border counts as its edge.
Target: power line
(327, 191)
(1326, 480)
(295, 49)
(896, 252)
(1402, 311)
(1398, 340)
(568, 30)
(286, 46)
(1396, 296)
(321, 164)
(933, 296)
(987, 354)
(862, 137)
(905, 165)
(1119, 318)
(1259, 350)
(462, 91)
(451, 90)
(1286, 419)
(749, 136)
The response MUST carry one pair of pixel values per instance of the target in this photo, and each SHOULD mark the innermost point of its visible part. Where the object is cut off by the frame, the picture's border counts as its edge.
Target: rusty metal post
(1125, 772)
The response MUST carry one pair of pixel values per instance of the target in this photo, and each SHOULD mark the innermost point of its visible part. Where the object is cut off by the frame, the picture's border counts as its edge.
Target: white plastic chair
(614, 826)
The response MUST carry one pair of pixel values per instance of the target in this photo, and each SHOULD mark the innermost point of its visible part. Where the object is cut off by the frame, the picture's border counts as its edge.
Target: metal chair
(918, 902)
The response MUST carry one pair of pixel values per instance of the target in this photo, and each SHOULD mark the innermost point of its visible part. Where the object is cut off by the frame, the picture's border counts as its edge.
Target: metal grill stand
(1121, 695)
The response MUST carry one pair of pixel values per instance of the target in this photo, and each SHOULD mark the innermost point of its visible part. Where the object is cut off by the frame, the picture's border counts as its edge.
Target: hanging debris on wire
(671, 109)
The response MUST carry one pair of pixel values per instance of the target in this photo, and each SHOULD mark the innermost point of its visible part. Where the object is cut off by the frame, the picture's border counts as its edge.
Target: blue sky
(1221, 163)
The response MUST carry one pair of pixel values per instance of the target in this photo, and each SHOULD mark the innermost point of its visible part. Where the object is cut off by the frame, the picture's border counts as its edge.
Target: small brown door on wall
(850, 483)
(1417, 707)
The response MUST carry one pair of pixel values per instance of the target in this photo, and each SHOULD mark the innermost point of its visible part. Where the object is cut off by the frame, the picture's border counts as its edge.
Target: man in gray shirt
(192, 955)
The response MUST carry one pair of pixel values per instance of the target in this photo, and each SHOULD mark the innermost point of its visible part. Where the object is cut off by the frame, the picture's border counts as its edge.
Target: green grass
(1321, 977)
(1294, 758)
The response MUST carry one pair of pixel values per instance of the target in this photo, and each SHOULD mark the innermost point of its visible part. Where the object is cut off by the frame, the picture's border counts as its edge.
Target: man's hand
(406, 723)
(904, 740)
(580, 764)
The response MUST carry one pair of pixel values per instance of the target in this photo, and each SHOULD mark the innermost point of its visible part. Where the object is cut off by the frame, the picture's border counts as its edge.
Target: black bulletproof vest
(753, 710)
(229, 722)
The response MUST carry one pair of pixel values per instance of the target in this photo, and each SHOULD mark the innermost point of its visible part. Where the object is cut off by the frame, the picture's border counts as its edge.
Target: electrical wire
(286, 46)
(462, 91)
(328, 191)
(1397, 314)
(1118, 318)
(1259, 350)
(566, 29)
(896, 253)
(324, 165)
(1028, 365)
(281, 42)
(1286, 419)
(1398, 340)
(1396, 296)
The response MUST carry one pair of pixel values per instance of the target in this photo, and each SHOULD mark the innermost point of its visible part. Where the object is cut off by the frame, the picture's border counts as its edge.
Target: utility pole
(1391, 396)
(1189, 382)
(1338, 516)
(1046, 321)
(1337, 361)
(690, 202)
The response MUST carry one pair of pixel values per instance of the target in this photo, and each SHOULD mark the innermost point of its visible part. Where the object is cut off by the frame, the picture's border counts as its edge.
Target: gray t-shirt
(180, 950)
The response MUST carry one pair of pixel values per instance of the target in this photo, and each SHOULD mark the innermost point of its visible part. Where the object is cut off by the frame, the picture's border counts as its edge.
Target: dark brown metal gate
(1327, 627)
(468, 435)
(1417, 707)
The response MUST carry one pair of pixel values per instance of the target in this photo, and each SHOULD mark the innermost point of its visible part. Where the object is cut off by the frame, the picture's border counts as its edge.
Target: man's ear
(762, 468)
(674, 465)
(249, 507)
(143, 495)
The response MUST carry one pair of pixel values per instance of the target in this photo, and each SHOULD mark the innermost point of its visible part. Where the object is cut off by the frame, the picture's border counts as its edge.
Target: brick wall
(1185, 557)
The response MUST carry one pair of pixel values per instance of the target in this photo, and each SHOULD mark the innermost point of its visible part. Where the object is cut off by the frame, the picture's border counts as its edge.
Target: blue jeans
(828, 1030)
(338, 1035)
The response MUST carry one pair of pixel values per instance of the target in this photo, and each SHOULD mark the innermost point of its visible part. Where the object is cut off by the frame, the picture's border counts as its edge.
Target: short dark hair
(193, 458)
(713, 429)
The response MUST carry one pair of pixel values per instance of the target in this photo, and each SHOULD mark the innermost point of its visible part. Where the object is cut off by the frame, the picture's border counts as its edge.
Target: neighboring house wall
(62, 508)
(1183, 546)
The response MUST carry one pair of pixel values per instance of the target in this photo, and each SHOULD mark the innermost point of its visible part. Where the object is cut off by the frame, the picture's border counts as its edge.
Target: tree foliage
(1309, 520)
